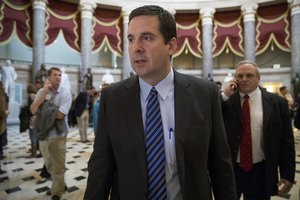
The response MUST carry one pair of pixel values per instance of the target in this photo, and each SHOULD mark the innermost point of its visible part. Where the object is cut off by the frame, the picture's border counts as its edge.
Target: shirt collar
(163, 87)
(251, 94)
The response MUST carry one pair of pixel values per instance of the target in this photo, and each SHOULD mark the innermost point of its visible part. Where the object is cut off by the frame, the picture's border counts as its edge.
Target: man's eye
(130, 40)
(147, 37)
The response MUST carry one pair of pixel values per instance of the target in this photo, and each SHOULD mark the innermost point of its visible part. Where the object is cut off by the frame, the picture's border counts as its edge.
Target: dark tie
(155, 151)
(246, 143)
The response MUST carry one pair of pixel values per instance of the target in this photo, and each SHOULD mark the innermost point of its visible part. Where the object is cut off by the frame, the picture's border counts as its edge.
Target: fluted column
(207, 15)
(127, 68)
(38, 54)
(295, 29)
(87, 8)
(249, 11)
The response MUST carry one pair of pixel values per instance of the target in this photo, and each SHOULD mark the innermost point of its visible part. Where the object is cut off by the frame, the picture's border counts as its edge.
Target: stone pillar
(39, 23)
(249, 11)
(114, 60)
(295, 32)
(127, 68)
(207, 15)
(87, 8)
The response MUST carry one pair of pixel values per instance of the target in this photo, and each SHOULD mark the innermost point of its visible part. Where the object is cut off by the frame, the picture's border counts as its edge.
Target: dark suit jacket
(80, 103)
(277, 136)
(203, 158)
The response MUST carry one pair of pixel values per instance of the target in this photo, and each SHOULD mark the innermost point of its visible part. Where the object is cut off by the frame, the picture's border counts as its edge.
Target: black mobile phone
(236, 86)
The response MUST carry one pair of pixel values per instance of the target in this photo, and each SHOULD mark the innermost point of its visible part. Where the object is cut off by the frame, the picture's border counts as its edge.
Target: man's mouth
(139, 61)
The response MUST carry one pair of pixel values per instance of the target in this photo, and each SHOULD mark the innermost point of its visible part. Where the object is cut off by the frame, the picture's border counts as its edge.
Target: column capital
(295, 6)
(87, 8)
(171, 10)
(40, 4)
(207, 15)
(126, 10)
(249, 11)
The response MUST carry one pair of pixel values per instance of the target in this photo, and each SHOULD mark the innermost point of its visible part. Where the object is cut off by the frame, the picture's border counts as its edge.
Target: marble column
(248, 12)
(114, 60)
(207, 15)
(39, 23)
(127, 68)
(87, 8)
(295, 32)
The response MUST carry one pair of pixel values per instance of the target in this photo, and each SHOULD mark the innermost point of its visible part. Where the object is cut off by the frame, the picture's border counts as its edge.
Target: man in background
(53, 146)
(83, 105)
(260, 136)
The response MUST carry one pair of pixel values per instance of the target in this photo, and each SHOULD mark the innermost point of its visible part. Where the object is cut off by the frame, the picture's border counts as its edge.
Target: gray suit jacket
(277, 136)
(118, 162)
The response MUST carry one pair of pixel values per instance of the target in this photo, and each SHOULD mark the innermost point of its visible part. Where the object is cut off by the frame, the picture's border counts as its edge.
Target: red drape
(107, 30)
(16, 18)
(228, 33)
(188, 34)
(272, 27)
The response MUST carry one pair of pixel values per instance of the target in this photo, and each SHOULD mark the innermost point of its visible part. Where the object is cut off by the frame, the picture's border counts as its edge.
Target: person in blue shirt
(96, 108)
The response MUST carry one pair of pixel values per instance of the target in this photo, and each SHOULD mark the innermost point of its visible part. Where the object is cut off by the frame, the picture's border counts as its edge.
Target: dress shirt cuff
(224, 96)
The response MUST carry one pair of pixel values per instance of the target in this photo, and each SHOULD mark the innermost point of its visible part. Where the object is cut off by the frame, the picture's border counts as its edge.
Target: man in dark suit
(197, 159)
(83, 106)
(269, 135)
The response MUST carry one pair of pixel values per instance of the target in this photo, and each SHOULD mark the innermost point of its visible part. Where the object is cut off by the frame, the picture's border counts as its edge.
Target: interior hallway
(19, 181)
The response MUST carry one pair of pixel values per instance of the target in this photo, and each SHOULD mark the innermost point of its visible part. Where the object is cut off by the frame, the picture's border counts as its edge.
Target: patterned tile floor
(19, 183)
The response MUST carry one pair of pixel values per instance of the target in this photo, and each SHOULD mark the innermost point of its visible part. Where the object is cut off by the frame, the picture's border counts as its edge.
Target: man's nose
(137, 46)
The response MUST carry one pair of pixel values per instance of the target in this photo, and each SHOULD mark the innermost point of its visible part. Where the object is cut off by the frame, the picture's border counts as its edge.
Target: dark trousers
(251, 184)
(44, 173)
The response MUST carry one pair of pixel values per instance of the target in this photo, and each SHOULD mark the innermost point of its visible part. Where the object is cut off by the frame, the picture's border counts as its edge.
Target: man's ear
(172, 45)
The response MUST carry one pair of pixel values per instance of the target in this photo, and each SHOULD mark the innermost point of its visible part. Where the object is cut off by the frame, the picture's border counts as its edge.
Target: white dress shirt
(165, 89)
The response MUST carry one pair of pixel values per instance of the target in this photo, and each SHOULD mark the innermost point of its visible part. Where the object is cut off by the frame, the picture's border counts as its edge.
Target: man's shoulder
(272, 96)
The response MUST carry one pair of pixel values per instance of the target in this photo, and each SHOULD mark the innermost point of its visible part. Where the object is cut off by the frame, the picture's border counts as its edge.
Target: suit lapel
(236, 104)
(267, 108)
(182, 101)
(132, 106)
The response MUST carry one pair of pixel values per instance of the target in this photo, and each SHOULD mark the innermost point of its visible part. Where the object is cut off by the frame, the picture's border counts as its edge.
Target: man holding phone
(260, 136)
(53, 147)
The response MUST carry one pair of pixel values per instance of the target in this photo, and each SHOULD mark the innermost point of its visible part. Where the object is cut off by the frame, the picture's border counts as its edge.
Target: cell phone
(237, 86)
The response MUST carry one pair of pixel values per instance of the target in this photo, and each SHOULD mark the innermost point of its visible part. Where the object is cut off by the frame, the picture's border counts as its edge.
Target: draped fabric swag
(272, 28)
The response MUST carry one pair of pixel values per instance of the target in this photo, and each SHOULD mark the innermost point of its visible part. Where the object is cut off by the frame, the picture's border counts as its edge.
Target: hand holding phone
(231, 88)
(47, 85)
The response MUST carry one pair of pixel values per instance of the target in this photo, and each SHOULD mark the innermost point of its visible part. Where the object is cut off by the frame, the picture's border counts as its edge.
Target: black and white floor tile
(19, 181)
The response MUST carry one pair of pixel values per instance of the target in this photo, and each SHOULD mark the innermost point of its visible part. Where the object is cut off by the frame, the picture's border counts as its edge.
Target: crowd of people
(161, 134)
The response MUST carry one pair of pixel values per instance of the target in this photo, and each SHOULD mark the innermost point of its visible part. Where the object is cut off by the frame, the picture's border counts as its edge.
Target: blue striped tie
(155, 150)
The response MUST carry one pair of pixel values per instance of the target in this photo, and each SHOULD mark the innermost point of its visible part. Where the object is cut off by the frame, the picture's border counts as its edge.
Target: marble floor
(19, 182)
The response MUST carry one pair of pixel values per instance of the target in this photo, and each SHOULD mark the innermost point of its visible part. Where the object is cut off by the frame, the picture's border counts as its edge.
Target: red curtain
(107, 30)
(188, 34)
(272, 28)
(16, 18)
(63, 17)
(228, 33)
